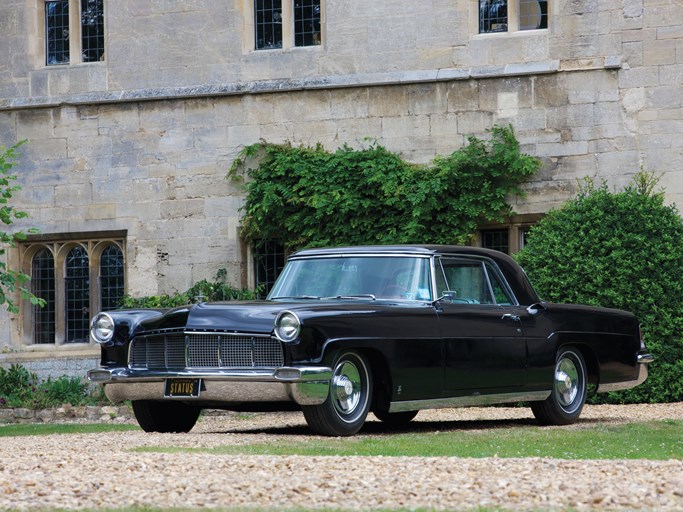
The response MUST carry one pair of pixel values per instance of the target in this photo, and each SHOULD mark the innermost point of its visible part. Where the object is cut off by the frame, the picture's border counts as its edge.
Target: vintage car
(387, 329)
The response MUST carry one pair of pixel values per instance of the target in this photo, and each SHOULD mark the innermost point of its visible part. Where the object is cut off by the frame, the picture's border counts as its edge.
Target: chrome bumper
(303, 385)
(643, 360)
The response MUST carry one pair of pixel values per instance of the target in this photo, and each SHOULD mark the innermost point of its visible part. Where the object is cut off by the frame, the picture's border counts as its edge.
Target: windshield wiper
(294, 297)
(351, 297)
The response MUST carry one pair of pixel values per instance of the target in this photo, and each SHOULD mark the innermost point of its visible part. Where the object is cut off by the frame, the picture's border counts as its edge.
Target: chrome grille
(204, 350)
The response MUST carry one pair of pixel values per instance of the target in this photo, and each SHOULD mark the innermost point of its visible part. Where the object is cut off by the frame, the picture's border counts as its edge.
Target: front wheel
(566, 400)
(166, 416)
(344, 411)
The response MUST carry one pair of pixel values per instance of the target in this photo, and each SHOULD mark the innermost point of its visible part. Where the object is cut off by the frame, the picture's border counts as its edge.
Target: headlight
(287, 326)
(102, 328)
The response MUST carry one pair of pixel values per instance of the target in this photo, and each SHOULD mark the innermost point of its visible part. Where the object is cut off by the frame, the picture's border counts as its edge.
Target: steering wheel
(394, 292)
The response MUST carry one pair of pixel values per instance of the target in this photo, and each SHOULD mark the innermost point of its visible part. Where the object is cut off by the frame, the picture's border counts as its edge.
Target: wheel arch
(590, 358)
(379, 367)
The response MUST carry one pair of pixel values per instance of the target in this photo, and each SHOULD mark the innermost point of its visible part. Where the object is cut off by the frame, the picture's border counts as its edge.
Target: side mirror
(449, 295)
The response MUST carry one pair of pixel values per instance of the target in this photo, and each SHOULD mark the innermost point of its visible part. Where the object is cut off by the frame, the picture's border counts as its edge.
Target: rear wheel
(566, 400)
(166, 416)
(348, 401)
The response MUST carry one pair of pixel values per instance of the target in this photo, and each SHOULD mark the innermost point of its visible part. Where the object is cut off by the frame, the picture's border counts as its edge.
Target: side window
(500, 292)
(86, 43)
(493, 16)
(268, 14)
(77, 285)
(92, 30)
(472, 282)
(43, 286)
(512, 15)
(57, 32)
(306, 22)
(286, 24)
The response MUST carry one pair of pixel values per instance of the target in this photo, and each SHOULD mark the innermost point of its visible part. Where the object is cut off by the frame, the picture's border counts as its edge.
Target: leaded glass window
(306, 22)
(498, 239)
(43, 286)
(533, 14)
(77, 280)
(57, 32)
(92, 30)
(111, 277)
(269, 259)
(268, 24)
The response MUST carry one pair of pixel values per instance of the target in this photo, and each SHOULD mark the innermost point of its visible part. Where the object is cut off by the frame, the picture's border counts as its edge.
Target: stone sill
(314, 83)
(301, 84)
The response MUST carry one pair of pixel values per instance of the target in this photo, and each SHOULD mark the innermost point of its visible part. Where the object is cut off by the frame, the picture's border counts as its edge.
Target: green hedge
(621, 250)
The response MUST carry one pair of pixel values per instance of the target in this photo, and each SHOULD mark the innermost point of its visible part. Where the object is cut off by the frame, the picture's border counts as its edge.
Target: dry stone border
(91, 471)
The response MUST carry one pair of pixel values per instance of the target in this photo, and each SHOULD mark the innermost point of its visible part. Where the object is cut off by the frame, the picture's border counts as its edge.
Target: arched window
(111, 277)
(75, 277)
(77, 284)
(43, 286)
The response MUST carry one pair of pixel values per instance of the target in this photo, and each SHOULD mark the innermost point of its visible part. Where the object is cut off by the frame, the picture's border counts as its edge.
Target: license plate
(182, 388)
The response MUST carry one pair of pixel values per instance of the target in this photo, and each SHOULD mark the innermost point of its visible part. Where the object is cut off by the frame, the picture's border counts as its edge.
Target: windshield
(380, 277)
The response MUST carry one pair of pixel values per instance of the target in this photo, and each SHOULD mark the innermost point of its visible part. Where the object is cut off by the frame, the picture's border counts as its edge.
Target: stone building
(134, 111)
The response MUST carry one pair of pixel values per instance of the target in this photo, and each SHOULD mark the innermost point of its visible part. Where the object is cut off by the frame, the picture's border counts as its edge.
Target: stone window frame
(513, 18)
(288, 36)
(75, 35)
(60, 245)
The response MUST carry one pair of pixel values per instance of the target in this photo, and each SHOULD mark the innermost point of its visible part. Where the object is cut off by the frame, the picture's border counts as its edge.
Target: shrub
(305, 196)
(218, 290)
(21, 388)
(622, 250)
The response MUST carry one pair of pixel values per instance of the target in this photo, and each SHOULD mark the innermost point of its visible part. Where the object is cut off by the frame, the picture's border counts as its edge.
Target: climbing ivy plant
(308, 196)
(11, 280)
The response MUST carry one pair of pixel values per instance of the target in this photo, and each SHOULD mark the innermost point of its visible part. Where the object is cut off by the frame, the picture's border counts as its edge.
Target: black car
(387, 329)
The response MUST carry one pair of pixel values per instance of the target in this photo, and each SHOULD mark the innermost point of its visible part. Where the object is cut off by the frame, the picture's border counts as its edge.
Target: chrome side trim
(468, 401)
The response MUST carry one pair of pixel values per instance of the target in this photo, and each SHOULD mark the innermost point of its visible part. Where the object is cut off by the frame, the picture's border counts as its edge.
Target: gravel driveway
(89, 471)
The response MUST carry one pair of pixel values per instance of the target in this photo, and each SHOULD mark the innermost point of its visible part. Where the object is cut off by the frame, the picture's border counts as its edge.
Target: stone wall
(142, 142)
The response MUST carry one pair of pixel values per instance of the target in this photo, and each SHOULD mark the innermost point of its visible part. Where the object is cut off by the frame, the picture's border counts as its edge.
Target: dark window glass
(57, 32)
(43, 286)
(269, 259)
(497, 239)
(92, 30)
(268, 24)
(533, 14)
(306, 22)
(493, 16)
(111, 277)
(77, 296)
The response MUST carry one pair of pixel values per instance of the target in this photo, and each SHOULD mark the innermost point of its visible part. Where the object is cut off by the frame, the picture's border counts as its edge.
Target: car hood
(259, 317)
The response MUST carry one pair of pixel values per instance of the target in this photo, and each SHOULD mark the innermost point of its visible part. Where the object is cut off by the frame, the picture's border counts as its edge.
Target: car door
(484, 345)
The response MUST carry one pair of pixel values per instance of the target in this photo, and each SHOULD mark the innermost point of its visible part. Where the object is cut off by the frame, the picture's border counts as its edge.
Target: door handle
(510, 316)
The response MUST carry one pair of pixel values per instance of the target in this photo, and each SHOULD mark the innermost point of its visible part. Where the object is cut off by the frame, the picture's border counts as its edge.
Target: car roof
(412, 249)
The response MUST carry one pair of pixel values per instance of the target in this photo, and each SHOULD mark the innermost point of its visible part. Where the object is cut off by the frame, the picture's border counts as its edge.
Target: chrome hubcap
(567, 382)
(346, 388)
